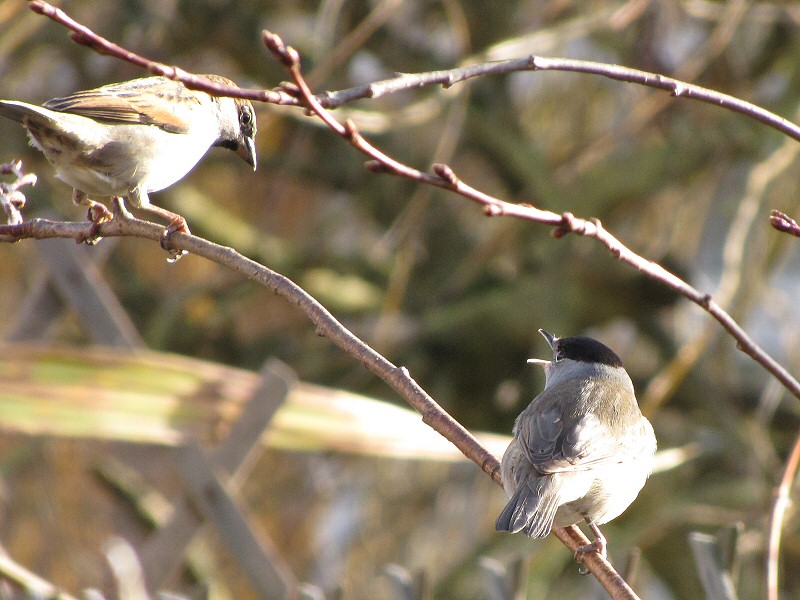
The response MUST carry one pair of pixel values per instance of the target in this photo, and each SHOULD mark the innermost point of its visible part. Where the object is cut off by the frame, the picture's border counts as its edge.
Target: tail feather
(531, 508)
(14, 110)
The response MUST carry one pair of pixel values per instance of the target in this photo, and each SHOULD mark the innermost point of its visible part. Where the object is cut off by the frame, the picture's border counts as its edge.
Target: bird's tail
(13, 110)
(531, 508)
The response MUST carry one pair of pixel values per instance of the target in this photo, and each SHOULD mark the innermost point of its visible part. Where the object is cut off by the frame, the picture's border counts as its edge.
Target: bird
(132, 138)
(582, 450)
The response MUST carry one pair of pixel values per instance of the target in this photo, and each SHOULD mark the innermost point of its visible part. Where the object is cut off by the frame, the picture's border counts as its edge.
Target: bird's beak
(247, 151)
(538, 361)
(551, 339)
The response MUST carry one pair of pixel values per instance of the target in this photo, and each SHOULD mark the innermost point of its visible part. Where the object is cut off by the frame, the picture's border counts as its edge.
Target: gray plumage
(582, 449)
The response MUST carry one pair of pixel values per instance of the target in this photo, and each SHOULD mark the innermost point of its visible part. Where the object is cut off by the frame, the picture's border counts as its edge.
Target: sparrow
(581, 449)
(132, 138)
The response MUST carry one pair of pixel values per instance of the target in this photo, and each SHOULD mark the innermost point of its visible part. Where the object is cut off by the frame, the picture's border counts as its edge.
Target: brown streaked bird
(132, 138)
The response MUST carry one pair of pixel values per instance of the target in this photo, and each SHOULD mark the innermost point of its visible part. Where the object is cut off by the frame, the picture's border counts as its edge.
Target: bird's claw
(177, 226)
(97, 215)
(598, 545)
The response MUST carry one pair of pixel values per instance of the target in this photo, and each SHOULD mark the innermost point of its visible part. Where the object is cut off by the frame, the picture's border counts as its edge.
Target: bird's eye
(246, 117)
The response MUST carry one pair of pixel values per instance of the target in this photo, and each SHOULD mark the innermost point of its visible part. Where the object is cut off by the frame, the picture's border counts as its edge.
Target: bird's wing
(151, 101)
(561, 436)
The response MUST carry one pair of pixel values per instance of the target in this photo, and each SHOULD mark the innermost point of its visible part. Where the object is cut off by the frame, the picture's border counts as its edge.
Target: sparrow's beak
(247, 151)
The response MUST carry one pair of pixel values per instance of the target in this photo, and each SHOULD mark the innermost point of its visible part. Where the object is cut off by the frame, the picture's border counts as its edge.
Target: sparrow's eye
(246, 117)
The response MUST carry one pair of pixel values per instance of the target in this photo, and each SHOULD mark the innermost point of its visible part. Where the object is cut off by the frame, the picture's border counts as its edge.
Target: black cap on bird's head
(579, 348)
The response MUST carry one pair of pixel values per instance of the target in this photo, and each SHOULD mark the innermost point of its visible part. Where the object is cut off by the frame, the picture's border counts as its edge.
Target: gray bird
(582, 448)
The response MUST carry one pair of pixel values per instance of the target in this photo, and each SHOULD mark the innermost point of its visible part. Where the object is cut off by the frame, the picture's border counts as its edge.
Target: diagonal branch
(445, 177)
(397, 377)
(86, 37)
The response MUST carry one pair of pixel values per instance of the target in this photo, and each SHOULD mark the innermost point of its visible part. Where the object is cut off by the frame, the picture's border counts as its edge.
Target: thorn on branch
(567, 225)
(377, 166)
(678, 89)
(351, 130)
(783, 222)
(493, 210)
(446, 173)
(84, 40)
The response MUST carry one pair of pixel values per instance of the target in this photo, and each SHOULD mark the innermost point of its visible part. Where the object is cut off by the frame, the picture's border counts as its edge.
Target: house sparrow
(582, 448)
(132, 138)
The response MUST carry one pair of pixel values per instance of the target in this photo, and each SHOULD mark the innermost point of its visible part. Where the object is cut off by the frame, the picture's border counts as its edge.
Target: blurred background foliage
(429, 281)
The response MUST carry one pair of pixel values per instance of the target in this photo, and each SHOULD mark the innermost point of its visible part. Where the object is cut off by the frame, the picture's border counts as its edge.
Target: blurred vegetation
(433, 284)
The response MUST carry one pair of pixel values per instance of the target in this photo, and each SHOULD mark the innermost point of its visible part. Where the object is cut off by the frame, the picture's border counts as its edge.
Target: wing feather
(151, 101)
(560, 436)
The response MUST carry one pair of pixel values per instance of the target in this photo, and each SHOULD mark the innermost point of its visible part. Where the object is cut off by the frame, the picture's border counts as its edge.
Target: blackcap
(582, 448)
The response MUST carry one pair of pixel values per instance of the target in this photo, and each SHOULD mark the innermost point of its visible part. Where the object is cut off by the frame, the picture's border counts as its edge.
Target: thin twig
(565, 223)
(86, 37)
(779, 504)
(450, 77)
(407, 81)
(571, 536)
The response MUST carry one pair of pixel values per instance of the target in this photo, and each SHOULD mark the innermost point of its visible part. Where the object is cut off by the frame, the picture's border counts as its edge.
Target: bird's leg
(177, 224)
(97, 214)
(119, 210)
(598, 545)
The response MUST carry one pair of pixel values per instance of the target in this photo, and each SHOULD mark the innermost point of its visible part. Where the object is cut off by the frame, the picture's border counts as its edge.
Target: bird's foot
(97, 215)
(178, 225)
(599, 545)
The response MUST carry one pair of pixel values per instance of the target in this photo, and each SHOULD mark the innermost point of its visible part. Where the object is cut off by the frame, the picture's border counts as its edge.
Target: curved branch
(565, 223)
(398, 378)
(407, 81)
(779, 504)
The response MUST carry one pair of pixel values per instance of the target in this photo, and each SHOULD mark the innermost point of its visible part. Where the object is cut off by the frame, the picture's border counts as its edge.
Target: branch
(86, 37)
(407, 81)
(779, 504)
(565, 223)
(398, 378)
(448, 78)
(570, 536)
